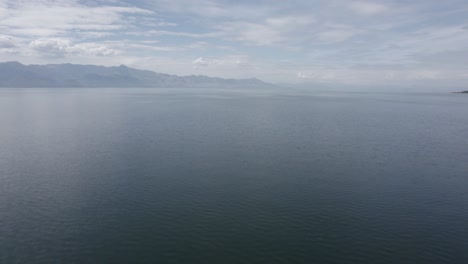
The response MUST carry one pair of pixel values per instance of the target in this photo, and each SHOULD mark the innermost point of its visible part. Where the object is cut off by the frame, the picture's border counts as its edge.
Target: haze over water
(232, 176)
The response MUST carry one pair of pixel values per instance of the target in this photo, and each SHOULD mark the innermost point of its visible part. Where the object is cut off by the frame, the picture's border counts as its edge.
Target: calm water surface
(225, 176)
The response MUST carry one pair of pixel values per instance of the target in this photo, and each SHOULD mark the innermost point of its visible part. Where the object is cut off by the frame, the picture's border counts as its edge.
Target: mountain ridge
(14, 74)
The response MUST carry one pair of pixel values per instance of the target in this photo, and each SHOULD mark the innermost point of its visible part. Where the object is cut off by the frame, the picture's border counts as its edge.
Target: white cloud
(174, 33)
(335, 35)
(138, 46)
(52, 47)
(302, 75)
(6, 42)
(51, 18)
(201, 7)
(288, 23)
(435, 39)
(200, 62)
(279, 30)
(94, 49)
(211, 9)
(199, 45)
(368, 8)
(57, 47)
(251, 33)
(236, 61)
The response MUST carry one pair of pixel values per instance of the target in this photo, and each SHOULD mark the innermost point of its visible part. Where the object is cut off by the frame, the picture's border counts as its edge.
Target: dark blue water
(225, 176)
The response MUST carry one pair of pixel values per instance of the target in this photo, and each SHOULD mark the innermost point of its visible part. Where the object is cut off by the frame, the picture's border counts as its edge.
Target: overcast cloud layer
(387, 42)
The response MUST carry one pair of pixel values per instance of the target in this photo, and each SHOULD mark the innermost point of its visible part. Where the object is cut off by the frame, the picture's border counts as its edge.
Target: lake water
(226, 176)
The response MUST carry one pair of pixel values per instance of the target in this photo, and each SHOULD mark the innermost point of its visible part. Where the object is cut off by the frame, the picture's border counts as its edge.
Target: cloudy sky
(396, 42)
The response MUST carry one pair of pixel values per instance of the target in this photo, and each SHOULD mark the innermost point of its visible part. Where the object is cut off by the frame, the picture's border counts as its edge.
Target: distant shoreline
(462, 92)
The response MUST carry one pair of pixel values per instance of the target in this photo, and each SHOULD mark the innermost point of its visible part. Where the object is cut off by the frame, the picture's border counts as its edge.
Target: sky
(375, 43)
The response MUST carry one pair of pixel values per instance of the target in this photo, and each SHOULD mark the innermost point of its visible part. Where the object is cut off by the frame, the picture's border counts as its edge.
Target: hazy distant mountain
(15, 74)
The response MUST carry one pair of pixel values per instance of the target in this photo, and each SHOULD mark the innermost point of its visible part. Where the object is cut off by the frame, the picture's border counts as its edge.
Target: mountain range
(15, 75)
